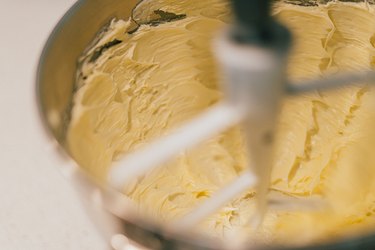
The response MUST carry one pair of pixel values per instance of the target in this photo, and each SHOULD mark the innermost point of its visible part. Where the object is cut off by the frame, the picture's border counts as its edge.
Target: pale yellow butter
(161, 76)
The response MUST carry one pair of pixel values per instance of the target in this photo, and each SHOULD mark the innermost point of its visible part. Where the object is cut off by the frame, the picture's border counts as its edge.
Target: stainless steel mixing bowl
(54, 87)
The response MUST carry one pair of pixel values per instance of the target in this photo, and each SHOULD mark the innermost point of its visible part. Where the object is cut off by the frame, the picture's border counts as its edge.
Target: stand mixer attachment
(253, 56)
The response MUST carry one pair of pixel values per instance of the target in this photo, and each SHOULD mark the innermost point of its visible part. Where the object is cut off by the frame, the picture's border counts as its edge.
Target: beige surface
(159, 77)
(38, 207)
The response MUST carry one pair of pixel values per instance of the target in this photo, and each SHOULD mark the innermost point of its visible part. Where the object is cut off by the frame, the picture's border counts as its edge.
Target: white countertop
(38, 207)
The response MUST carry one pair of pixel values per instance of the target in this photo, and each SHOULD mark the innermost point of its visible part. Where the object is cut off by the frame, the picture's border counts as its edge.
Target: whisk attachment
(252, 55)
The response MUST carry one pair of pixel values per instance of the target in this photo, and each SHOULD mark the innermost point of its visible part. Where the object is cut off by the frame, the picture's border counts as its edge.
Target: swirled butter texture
(136, 86)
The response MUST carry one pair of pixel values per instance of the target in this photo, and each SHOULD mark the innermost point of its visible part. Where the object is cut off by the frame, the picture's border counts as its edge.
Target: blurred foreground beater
(252, 54)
